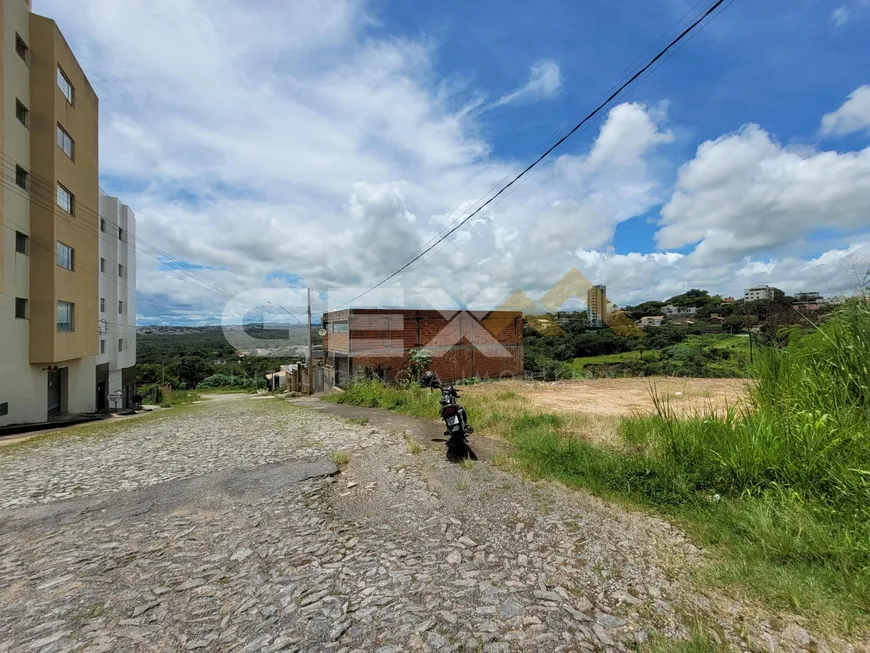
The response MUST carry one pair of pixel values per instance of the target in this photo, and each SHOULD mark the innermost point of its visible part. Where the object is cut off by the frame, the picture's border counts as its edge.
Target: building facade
(378, 343)
(670, 310)
(596, 305)
(48, 222)
(758, 293)
(116, 360)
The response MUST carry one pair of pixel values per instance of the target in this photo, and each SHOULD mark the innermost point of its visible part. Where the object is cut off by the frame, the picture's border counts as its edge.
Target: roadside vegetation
(778, 486)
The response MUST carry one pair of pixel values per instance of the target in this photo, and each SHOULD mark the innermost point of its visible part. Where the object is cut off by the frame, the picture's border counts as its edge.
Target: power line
(48, 195)
(47, 203)
(640, 80)
(626, 71)
(553, 147)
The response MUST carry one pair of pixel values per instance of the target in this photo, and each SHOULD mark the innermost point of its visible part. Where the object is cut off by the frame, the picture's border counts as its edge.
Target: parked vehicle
(454, 416)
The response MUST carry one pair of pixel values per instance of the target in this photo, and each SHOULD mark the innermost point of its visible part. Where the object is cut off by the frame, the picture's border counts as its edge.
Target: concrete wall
(49, 223)
(115, 326)
(30, 345)
(22, 385)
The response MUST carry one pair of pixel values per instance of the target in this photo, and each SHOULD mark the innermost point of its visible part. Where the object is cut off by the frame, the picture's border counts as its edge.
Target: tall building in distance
(116, 361)
(49, 222)
(596, 305)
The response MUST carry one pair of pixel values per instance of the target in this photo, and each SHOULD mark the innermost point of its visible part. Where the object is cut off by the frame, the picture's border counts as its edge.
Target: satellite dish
(322, 332)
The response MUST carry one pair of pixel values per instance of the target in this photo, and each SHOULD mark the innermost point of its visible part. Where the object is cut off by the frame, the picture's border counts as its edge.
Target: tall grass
(781, 483)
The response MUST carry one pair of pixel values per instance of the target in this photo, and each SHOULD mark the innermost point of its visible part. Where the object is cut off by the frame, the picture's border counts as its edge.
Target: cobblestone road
(224, 528)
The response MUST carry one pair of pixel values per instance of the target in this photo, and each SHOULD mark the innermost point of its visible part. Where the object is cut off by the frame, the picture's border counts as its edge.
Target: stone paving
(225, 528)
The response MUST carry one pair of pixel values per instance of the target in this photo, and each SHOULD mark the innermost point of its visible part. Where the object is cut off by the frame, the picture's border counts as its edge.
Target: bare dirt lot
(625, 397)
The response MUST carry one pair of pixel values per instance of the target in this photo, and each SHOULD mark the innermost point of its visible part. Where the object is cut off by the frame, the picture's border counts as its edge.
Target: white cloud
(545, 79)
(840, 16)
(745, 194)
(288, 139)
(852, 116)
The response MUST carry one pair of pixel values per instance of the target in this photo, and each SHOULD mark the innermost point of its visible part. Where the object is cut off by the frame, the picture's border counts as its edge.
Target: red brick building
(373, 341)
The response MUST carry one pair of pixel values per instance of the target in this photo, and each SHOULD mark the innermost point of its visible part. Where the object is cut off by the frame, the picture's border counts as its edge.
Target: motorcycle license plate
(452, 421)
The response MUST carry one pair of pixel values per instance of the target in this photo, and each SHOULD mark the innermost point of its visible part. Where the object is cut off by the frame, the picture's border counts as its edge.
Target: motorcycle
(454, 417)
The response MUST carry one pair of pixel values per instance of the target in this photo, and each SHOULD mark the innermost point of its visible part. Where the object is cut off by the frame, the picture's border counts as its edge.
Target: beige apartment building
(596, 305)
(49, 222)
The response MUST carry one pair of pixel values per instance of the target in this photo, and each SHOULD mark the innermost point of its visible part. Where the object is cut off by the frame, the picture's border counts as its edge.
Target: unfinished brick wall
(482, 344)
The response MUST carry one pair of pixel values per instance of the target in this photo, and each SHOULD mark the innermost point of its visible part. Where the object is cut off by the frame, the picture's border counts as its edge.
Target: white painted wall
(114, 288)
(22, 385)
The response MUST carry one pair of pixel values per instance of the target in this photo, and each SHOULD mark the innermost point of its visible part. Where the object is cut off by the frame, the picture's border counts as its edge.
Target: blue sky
(274, 147)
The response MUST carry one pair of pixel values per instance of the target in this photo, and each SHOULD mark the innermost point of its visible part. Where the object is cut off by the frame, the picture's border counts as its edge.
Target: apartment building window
(21, 48)
(102, 304)
(120, 234)
(22, 113)
(103, 225)
(120, 270)
(65, 86)
(21, 177)
(65, 316)
(120, 344)
(120, 307)
(102, 346)
(102, 265)
(22, 243)
(21, 308)
(65, 199)
(65, 142)
(65, 256)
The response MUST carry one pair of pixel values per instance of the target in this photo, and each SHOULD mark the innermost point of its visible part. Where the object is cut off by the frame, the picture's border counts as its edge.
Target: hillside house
(366, 342)
(673, 311)
(651, 321)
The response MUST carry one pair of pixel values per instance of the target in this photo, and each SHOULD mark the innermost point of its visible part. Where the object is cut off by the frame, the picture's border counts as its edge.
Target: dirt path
(223, 528)
(623, 397)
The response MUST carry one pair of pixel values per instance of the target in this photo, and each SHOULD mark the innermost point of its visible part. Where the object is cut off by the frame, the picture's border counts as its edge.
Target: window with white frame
(65, 256)
(65, 316)
(65, 142)
(65, 86)
(65, 199)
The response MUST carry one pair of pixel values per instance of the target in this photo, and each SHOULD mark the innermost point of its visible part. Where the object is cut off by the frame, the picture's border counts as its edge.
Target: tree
(419, 361)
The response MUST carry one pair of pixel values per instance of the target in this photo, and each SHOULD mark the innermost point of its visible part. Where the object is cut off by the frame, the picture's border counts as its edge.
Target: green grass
(621, 357)
(779, 490)
(179, 398)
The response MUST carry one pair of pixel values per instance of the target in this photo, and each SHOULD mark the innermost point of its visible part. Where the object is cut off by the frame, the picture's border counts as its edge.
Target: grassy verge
(780, 490)
(179, 398)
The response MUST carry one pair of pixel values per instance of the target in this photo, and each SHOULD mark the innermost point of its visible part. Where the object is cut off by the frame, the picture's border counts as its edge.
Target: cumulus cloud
(852, 116)
(745, 194)
(545, 79)
(291, 145)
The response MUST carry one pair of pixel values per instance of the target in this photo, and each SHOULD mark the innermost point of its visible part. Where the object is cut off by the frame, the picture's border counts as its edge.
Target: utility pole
(310, 350)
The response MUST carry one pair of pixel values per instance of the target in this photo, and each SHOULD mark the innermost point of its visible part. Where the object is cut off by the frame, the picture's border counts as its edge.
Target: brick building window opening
(22, 243)
(65, 199)
(65, 142)
(21, 177)
(21, 48)
(65, 316)
(338, 327)
(21, 308)
(22, 113)
(65, 86)
(65, 256)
